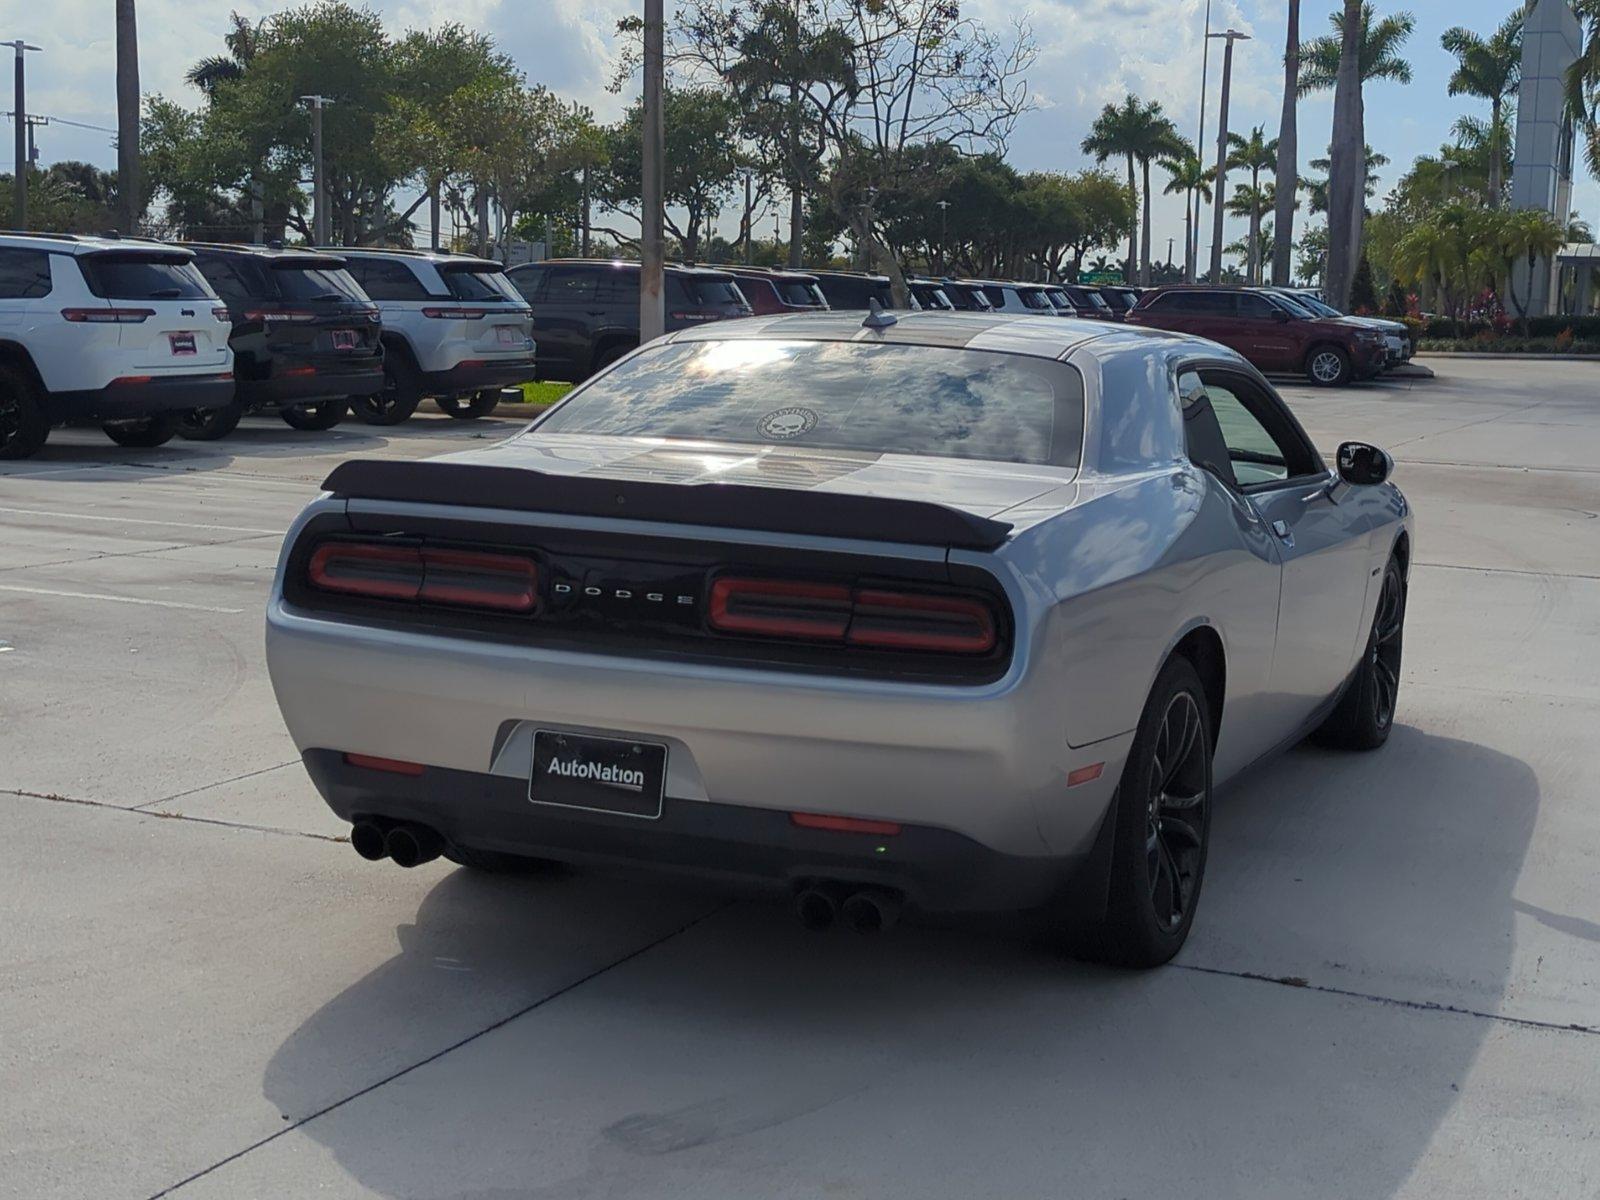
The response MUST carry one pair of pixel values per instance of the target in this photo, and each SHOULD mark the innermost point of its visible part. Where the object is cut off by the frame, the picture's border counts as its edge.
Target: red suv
(778, 291)
(1268, 332)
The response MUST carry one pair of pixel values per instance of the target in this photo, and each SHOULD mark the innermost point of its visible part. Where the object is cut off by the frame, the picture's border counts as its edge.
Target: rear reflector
(844, 824)
(1085, 774)
(460, 578)
(395, 766)
(910, 621)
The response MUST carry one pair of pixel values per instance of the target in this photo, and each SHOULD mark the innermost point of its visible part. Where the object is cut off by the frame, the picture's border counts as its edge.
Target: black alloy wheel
(1178, 793)
(402, 392)
(1365, 714)
(470, 406)
(23, 428)
(209, 424)
(143, 433)
(324, 414)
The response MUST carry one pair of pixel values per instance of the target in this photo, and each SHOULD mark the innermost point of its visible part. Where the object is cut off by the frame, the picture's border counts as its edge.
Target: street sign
(1100, 277)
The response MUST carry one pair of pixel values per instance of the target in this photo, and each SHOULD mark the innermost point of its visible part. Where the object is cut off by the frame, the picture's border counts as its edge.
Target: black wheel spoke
(1176, 809)
(1175, 831)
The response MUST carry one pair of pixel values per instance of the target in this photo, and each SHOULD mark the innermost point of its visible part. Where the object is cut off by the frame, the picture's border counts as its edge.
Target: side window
(571, 285)
(384, 280)
(1202, 435)
(1214, 304)
(1255, 306)
(1262, 443)
(527, 281)
(619, 286)
(24, 274)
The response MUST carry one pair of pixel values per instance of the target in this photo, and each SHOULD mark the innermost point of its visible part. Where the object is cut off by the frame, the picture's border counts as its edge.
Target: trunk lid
(179, 331)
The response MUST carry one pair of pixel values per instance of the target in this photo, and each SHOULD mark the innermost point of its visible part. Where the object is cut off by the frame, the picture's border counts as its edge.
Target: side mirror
(1364, 465)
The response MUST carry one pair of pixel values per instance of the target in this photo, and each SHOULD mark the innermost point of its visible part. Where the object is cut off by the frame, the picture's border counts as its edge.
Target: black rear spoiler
(726, 505)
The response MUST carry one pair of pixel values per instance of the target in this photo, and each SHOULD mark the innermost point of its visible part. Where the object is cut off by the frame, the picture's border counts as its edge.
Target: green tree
(1378, 50)
(1138, 131)
(1186, 174)
(1254, 154)
(1490, 70)
(1526, 236)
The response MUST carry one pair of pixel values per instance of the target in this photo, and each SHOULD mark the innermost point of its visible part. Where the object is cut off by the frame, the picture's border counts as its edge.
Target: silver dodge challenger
(951, 611)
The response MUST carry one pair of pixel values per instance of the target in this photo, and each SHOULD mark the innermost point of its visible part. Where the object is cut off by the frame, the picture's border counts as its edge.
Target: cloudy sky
(1091, 52)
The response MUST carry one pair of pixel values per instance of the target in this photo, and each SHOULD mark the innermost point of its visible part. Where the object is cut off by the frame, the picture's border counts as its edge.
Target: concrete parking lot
(1393, 988)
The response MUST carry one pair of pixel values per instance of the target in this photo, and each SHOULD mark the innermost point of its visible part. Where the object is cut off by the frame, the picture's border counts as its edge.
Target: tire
(479, 404)
(1328, 366)
(1365, 714)
(1163, 827)
(493, 862)
(209, 424)
(402, 392)
(144, 432)
(609, 355)
(23, 428)
(324, 414)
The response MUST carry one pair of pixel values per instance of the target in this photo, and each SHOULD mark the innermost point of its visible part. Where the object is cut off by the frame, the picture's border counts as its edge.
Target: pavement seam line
(56, 798)
(1439, 566)
(1295, 981)
(89, 558)
(207, 786)
(454, 1046)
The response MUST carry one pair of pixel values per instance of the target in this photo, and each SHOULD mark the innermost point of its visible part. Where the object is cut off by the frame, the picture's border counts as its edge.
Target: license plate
(182, 343)
(344, 339)
(610, 775)
(509, 335)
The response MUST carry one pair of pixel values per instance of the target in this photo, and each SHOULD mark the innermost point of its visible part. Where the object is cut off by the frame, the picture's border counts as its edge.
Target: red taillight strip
(456, 314)
(107, 316)
(469, 579)
(870, 617)
(844, 824)
(394, 766)
(285, 314)
(808, 610)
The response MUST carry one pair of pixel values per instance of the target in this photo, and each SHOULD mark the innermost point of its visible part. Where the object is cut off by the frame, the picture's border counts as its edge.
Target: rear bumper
(475, 376)
(155, 394)
(319, 383)
(936, 869)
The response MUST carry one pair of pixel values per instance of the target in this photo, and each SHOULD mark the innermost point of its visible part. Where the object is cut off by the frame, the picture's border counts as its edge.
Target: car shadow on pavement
(745, 1057)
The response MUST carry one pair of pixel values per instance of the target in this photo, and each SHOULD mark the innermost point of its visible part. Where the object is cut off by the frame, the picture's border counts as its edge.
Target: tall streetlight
(747, 174)
(941, 205)
(319, 186)
(19, 113)
(1229, 37)
(1191, 250)
(652, 252)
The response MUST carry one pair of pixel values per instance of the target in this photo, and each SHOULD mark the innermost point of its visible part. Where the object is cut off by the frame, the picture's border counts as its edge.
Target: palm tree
(1378, 50)
(243, 40)
(1489, 70)
(1254, 154)
(1139, 131)
(127, 114)
(1193, 178)
(1317, 189)
(1360, 49)
(1288, 151)
(1527, 236)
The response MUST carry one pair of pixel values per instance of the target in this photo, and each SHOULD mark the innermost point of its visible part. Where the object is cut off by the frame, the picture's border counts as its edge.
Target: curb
(1530, 357)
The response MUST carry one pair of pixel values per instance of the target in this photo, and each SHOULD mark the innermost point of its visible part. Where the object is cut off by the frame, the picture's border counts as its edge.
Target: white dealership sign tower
(1541, 171)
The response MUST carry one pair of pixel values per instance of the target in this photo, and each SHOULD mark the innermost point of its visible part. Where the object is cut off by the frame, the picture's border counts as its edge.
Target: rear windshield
(1032, 298)
(478, 283)
(316, 283)
(932, 297)
(968, 297)
(1058, 298)
(703, 291)
(798, 291)
(143, 277)
(880, 399)
(1085, 296)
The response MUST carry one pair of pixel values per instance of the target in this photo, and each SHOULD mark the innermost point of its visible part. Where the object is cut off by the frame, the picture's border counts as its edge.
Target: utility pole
(652, 252)
(1229, 38)
(941, 205)
(19, 115)
(319, 186)
(583, 225)
(128, 102)
(747, 174)
(1193, 250)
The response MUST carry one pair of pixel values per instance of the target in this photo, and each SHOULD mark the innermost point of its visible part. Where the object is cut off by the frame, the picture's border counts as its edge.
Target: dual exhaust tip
(867, 910)
(408, 845)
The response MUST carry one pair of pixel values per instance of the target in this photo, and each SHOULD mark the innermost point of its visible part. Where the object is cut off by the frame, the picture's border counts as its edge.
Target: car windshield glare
(473, 283)
(876, 399)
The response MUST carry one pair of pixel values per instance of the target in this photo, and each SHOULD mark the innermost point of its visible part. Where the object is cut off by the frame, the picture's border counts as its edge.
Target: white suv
(121, 331)
(454, 328)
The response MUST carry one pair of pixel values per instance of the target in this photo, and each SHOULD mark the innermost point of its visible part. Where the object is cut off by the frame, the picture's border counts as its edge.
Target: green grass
(543, 395)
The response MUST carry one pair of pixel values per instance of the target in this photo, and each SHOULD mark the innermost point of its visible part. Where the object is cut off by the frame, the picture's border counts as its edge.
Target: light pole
(19, 175)
(1229, 38)
(942, 205)
(747, 174)
(319, 186)
(1192, 249)
(652, 312)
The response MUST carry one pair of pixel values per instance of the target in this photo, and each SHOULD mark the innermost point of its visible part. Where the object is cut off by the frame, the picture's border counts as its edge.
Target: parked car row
(152, 340)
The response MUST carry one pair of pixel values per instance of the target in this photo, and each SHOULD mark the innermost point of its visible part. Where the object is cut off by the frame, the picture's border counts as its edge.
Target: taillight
(871, 617)
(456, 314)
(285, 316)
(221, 314)
(107, 316)
(780, 608)
(420, 574)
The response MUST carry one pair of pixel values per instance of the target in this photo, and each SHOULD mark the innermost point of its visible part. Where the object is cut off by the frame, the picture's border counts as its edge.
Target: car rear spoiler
(726, 505)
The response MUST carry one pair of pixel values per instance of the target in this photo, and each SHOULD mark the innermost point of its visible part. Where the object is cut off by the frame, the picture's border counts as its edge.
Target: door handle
(1281, 528)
